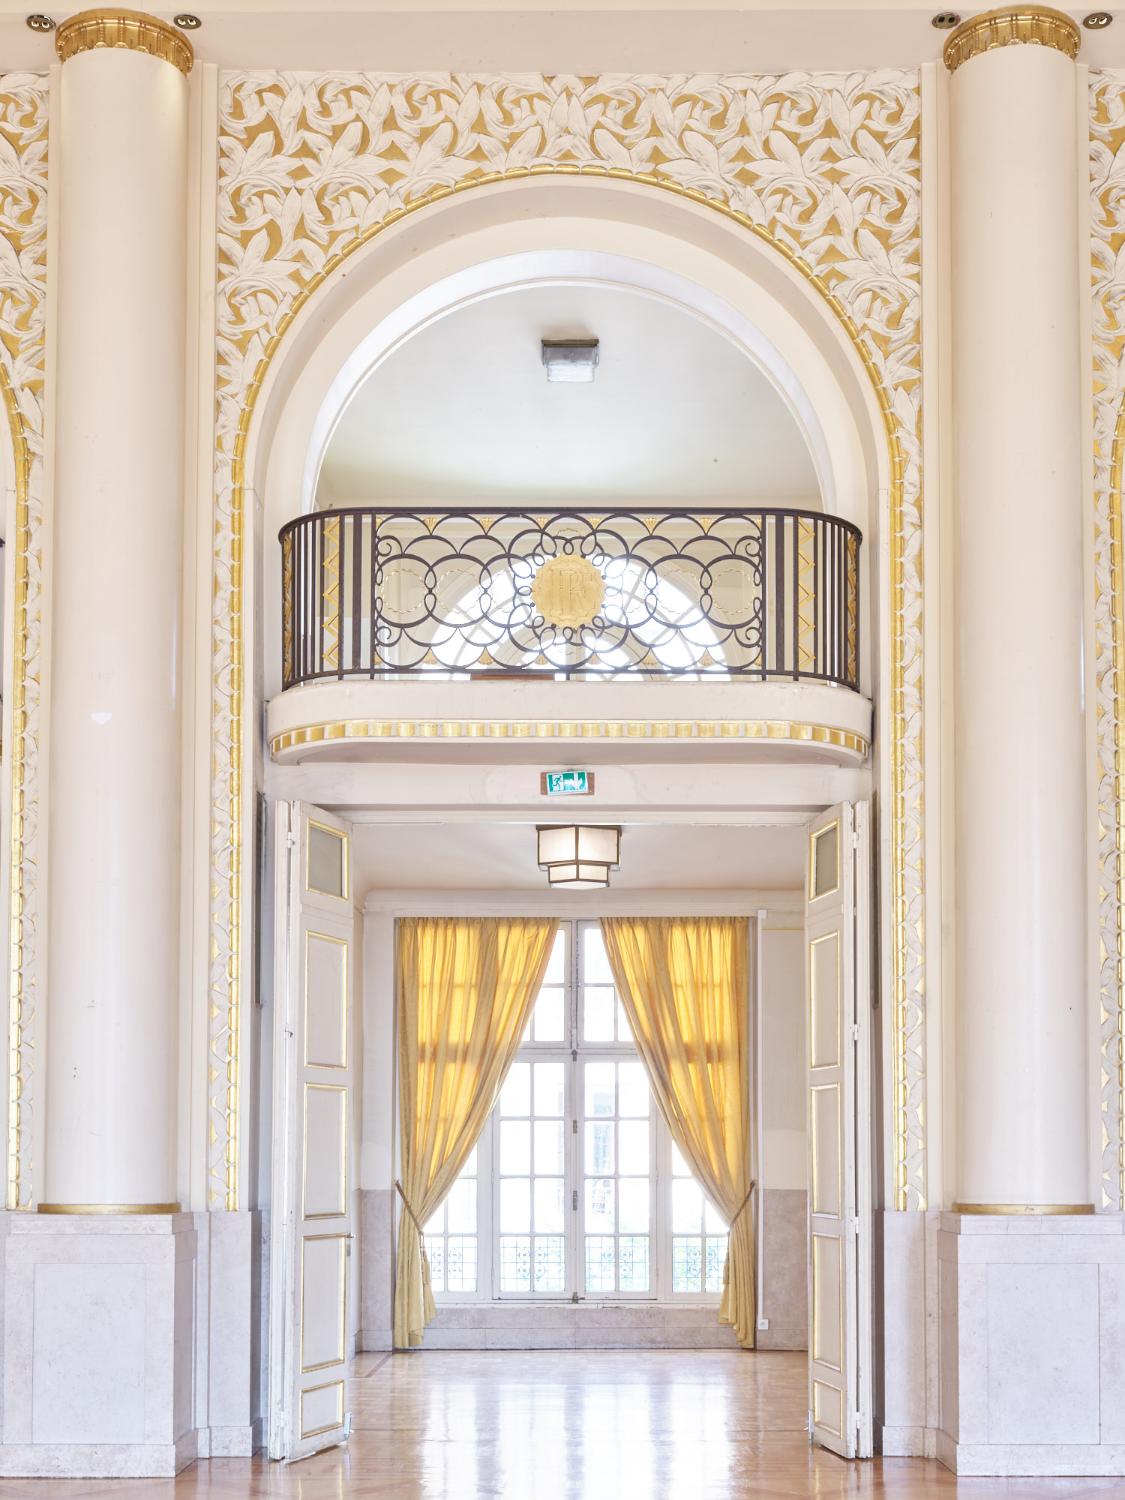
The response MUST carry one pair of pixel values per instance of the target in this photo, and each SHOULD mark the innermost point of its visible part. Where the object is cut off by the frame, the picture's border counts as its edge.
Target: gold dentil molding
(1037, 24)
(1023, 1210)
(123, 28)
(110, 1208)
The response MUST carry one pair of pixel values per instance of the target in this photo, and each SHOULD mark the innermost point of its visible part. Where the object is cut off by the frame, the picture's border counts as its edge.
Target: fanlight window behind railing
(759, 594)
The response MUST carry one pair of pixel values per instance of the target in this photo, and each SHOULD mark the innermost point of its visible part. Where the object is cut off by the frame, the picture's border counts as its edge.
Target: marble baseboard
(97, 1460)
(509, 1325)
(1032, 1323)
(907, 1442)
(225, 1442)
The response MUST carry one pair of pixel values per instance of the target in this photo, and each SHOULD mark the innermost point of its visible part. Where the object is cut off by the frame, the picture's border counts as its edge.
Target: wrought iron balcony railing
(760, 594)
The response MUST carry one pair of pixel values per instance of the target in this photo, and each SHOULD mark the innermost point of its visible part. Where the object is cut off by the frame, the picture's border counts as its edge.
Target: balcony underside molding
(775, 722)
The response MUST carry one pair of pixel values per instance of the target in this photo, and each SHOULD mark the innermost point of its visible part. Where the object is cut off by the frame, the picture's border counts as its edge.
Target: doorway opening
(575, 1223)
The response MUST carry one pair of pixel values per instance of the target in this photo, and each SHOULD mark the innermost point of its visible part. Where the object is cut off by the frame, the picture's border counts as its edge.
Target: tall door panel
(838, 1105)
(314, 1070)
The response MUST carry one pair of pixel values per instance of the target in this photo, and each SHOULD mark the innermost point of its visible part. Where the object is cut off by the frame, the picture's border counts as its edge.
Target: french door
(311, 1220)
(838, 1002)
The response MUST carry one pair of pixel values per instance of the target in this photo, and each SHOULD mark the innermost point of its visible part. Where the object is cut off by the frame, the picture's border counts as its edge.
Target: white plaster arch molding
(537, 231)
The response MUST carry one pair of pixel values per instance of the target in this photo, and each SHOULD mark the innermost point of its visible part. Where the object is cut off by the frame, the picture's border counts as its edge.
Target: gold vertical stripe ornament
(330, 593)
(23, 285)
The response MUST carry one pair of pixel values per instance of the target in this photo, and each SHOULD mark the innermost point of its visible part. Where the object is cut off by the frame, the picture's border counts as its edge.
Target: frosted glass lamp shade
(578, 857)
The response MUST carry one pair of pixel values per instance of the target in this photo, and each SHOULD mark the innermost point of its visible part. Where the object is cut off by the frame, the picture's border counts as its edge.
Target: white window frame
(575, 1053)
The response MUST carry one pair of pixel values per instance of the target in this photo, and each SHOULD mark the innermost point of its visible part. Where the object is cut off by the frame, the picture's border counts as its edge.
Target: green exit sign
(566, 783)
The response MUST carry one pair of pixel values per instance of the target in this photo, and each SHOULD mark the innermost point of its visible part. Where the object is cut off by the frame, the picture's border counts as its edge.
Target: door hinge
(574, 1127)
(574, 1200)
(853, 1225)
(855, 1031)
(291, 841)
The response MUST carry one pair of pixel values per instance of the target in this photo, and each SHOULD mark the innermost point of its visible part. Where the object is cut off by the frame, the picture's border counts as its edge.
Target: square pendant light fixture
(571, 360)
(578, 857)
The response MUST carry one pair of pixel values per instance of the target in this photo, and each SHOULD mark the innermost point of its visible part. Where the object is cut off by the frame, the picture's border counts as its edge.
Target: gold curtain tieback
(409, 1210)
(742, 1206)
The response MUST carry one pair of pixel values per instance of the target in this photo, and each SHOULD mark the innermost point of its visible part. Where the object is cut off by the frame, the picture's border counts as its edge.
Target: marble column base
(1032, 1334)
(98, 1340)
(906, 1342)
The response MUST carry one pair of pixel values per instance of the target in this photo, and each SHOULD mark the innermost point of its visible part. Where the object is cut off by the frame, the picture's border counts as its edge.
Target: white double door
(838, 1011)
(311, 1228)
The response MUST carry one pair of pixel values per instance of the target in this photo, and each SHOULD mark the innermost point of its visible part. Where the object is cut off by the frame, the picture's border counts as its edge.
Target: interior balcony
(521, 632)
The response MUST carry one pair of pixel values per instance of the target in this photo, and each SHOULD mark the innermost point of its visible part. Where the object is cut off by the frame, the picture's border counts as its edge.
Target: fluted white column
(119, 161)
(1018, 561)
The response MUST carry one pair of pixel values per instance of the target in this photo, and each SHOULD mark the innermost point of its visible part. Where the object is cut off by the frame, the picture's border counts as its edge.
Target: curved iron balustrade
(714, 594)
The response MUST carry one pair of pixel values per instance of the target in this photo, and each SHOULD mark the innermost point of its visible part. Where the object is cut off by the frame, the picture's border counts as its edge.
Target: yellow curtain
(684, 984)
(465, 992)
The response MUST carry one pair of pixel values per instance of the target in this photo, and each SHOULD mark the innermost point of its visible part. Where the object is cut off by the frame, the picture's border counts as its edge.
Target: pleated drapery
(684, 984)
(466, 987)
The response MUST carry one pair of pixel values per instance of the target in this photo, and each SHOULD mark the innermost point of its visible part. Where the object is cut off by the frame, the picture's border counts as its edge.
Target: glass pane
(680, 1167)
(624, 1034)
(595, 961)
(515, 1205)
(435, 1254)
(549, 1146)
(515, 1264)
(633, 1250)
(713, 1221)
(716, 1261)
(599, 1205)
(687, 1206)
(461, 1207)
(600, 1088)
(600, 1263)
(461, 1263)
(633, 1089)
(556, 965)
(632, 1205)
(515, 1147)
(549, 1088)
(515, 1096)
(328, 861)
(826, 860)
(632, 1147)
(436, 1224)
(550, 1263)
(548, 1205)
(470, 1167)
(687, 1264)
(597, 1014)
(599, 1146)
(548, 1018)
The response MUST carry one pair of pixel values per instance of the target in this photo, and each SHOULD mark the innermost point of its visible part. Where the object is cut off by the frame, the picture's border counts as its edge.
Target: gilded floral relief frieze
(23, 297)
(825, 168)
(1107, 220)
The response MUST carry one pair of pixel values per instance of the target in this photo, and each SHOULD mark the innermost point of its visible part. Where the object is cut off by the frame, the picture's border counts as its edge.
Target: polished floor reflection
(568, 1425)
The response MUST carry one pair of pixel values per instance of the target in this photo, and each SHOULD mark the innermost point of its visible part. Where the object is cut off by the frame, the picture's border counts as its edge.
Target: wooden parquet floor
(567, 1425)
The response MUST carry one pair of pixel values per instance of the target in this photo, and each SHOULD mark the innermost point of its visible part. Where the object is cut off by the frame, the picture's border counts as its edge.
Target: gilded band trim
(1023, 1210)
(759, 730)
(1036, 24)
(131, 29)
(110, 1208)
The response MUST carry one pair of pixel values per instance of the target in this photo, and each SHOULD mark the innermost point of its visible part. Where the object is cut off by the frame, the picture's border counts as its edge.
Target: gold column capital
(131, 29)
(1037, 24)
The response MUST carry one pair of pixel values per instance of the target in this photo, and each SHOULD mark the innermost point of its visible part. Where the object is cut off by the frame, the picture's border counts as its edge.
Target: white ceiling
(501, 857)
(464, 412)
